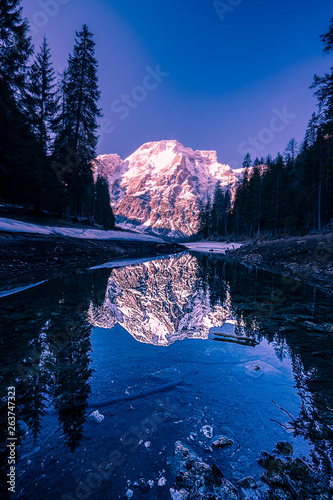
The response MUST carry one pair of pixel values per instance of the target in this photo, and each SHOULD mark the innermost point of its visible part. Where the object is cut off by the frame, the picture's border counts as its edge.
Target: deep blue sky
(225, 76)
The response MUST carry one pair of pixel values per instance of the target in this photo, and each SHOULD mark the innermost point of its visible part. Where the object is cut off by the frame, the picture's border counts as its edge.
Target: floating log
(239, 338)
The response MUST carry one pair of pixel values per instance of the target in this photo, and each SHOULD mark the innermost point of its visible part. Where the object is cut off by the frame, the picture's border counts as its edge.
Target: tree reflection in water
(46, 346)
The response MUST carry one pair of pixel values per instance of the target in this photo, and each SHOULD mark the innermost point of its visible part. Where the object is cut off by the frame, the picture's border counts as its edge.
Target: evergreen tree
(327, 39)
(291, 153)
(324, 94)
(20, 162)
(218, 210)
(15, 47)
(41, 97)
(227, 208)
(103, 211)
(81, 94)
(76, 140)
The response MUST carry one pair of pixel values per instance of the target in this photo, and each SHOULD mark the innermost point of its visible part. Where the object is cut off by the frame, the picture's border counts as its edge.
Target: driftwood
(229, 337)
(131, 397)
(126, 397)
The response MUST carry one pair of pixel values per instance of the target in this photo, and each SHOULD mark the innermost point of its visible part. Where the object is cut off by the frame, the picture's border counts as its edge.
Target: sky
(231, 76)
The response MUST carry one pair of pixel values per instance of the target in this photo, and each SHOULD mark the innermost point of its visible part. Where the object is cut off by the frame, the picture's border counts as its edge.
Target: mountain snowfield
(160, 186)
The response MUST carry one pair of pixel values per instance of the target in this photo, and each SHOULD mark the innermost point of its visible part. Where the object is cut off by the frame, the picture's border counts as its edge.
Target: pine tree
(327, 39)
(81, 97)
(76, 139)
(218, 210)
(227, 208)
(41, 97)
(324, 94)
(291, 153)
(15, 47)
(103, 212)
(20, 162)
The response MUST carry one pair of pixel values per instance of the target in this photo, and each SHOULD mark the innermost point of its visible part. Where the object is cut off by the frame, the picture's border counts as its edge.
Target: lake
(113, 366)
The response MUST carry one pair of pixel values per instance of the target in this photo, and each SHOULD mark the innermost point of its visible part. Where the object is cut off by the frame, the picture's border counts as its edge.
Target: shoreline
(30, 257)
(306, 259)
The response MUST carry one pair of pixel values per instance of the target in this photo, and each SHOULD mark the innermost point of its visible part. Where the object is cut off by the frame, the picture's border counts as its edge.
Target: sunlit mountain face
(162, 186)
(159, 302)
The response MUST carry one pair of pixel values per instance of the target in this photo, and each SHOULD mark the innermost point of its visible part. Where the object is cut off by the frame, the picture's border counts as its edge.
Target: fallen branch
(280, 408)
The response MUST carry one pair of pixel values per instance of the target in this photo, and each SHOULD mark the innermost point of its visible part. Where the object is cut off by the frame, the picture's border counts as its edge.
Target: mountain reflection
(46, 331)
(160, 301)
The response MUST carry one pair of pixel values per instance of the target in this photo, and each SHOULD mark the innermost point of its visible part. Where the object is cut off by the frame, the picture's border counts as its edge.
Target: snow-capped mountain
(159, 302)
(160, 186)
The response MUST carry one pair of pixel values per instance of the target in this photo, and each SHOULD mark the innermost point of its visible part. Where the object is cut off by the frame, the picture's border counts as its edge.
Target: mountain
(159, 187)
(159, 302)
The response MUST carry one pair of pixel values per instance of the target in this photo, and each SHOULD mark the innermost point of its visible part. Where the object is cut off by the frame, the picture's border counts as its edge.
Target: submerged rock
(178, 495)
(162, 481)
(222, 442)
(226, 491)
(96, 416)
(195, 479)
(284, 448)
(247, 482)
(207, 431)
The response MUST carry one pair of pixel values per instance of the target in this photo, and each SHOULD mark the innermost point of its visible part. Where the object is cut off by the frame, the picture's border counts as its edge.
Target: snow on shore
(15, 226)
(211, 246)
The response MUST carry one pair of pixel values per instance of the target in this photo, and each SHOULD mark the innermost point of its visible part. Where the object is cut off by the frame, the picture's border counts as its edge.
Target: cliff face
(161, 185)
(158, 302)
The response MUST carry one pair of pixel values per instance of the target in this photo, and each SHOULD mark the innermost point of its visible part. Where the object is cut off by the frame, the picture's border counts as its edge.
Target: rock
(162, 481)
(247, 482)
(143, 485)
(256, 368)
(207, 431)
(182, 458)
(226, 490)
(284, 448)
(198, 479)
(222, 442)
(298, 469)
(96, 416)
(179, 495)
(129, 493)
(265, 458)
(147, 444)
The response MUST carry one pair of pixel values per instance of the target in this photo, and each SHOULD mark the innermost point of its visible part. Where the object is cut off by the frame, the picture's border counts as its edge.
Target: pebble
(162, 481)
(96, 416)
(129, 493)
(147, 444)
(207, 431)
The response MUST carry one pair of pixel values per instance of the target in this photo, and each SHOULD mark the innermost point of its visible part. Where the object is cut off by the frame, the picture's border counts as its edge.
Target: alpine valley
(161, 186)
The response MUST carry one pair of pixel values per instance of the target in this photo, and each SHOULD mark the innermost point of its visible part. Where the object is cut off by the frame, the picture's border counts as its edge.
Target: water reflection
(160, 301)
(46, 334)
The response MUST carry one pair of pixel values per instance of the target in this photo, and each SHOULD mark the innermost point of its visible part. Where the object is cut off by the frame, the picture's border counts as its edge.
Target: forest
(49, 125)
(49, 136)
(292, 193)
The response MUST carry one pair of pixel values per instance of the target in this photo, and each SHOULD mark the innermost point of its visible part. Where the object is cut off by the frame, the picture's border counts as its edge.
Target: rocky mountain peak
(159, 188)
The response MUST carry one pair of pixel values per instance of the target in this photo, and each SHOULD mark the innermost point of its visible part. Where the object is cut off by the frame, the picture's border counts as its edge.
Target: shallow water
(139, 337)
